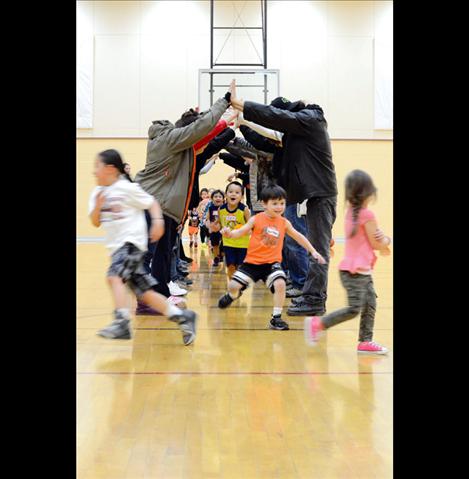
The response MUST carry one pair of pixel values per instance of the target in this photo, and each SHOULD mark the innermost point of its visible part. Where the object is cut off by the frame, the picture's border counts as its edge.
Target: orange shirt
(265, 245)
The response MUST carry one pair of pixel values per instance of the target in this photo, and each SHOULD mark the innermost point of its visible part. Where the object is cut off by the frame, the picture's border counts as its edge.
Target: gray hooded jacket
(170, 167)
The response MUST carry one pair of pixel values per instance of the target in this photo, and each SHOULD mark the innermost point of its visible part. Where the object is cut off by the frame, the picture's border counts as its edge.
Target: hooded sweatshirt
(170, 166)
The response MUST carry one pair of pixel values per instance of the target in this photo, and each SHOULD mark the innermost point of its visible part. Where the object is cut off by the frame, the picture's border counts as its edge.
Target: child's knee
(234, 286)
(279, 285)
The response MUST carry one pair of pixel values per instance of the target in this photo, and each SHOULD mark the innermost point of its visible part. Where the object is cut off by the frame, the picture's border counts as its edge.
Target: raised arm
(179, 139)
(261, 130)
(285, 121)
(258, 141)
(208, 165)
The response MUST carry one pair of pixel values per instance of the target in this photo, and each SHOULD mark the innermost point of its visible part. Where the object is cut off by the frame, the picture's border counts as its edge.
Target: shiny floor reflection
(243, 401)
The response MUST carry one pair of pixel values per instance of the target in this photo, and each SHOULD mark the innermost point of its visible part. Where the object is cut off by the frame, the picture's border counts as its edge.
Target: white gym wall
(147, 55)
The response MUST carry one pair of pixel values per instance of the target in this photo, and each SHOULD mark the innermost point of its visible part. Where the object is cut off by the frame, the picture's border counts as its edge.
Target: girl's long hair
(359, 187)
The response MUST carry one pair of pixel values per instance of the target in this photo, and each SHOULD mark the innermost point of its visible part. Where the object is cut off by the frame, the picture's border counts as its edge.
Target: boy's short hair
(237, 183)
(273, 192)
(217, 192)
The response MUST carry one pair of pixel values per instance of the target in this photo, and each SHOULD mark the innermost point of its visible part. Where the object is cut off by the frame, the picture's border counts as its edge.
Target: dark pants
(295, 256)
(320, 216)
(203, 233)
(158, 258)
(361, 299)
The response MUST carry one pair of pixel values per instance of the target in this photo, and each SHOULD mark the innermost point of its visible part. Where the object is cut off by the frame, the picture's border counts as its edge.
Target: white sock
(277, 312)
(172, 310)
(124, 313)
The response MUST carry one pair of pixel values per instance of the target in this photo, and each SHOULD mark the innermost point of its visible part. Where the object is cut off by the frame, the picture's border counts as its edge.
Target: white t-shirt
(122, 214)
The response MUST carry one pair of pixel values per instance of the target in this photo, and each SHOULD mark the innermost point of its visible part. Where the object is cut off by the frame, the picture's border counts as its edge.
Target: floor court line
(232, 373)
(227, 329)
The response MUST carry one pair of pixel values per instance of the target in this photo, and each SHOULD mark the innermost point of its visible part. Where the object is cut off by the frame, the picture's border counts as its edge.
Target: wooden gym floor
(242, 402)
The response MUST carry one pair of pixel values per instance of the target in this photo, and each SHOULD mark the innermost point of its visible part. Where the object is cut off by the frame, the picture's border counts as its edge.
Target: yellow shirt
(234, 220)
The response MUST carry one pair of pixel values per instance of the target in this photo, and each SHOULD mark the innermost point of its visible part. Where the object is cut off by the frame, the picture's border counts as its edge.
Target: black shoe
(305, 309)
(225, 301)
(187, 260)
(186, 281)
(216, 261)
(277, 323)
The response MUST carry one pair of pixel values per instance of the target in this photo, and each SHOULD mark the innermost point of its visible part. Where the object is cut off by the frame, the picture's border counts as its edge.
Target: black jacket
(307, 167)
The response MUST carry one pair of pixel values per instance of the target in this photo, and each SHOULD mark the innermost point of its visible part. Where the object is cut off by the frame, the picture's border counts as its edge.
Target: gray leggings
(361, 299)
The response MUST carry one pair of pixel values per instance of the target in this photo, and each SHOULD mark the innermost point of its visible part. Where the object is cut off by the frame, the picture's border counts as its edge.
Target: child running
(193, 227)
(119, 206)
(362, 237)
(213, 224)
(204, 200)
(234, 214)
(264, 253)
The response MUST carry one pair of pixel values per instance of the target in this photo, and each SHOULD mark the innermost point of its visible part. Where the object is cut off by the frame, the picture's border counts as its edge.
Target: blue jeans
(296, 257)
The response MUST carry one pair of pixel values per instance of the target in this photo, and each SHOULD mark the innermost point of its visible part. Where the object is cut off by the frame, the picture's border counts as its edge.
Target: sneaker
(313, 330)
(187, 323)
(305, 309)
(177, 301)
(145, 310)
(183, 282)
(293, 293)
(216, 261)
(225, 301)
(277, 323)
(370, 347)
(118, 329)
(176, 290)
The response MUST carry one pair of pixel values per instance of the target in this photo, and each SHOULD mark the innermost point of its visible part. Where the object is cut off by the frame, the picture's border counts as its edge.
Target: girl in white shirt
(118, 205)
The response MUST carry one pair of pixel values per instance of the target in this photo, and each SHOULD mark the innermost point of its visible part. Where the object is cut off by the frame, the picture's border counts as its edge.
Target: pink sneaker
(313, 330)
(370, 347)
(177, 301)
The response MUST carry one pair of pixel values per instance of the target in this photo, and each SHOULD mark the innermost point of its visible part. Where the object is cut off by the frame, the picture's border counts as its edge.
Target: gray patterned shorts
(127, 263)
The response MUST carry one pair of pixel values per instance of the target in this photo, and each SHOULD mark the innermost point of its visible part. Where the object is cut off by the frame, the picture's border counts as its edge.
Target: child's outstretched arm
(244, 230)
(95, 214)
(303, 241)
(376, 237)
